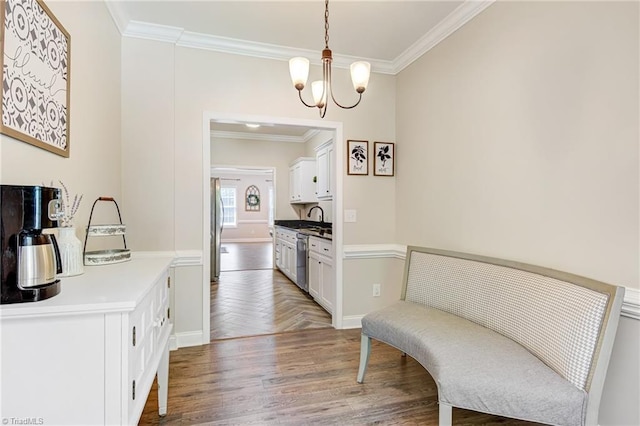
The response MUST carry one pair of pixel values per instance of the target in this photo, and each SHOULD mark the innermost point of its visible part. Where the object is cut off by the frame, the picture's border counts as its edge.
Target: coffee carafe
(30, 258)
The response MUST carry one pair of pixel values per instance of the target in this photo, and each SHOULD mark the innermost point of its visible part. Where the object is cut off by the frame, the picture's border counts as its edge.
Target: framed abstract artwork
(357, 157)
(35, 76)
(384, 160)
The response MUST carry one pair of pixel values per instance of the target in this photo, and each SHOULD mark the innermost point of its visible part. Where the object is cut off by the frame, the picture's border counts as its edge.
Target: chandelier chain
(326, 24)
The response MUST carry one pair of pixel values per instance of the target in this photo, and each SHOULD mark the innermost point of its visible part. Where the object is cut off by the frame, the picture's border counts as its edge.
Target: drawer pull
(133, 339)
(133, 390)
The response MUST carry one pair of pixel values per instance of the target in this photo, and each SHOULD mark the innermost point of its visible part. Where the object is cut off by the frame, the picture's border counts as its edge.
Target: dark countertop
(308, 227)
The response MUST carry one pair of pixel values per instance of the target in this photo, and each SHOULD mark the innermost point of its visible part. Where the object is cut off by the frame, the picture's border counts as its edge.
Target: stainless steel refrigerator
(216, 227)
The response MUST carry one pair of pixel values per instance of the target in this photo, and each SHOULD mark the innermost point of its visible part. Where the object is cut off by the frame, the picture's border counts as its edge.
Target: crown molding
(456, 19)
(117, 15)
(262, 137)
(178, 36)
(156, 32)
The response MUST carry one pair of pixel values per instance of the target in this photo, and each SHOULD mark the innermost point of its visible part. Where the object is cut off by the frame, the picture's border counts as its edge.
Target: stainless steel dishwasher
(302, 256)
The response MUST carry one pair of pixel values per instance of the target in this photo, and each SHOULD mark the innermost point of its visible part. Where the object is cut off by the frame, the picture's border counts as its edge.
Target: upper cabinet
(302, 188)
(325, 167)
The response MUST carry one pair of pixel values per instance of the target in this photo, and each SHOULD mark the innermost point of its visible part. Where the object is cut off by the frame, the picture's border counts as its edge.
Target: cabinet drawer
(314, 245)
(141, 340)
(326, 248)
(146, 325)
(321, 246)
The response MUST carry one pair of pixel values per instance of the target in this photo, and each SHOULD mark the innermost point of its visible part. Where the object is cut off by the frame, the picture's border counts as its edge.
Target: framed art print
(384, 160)
(35, 76)
(357, 157)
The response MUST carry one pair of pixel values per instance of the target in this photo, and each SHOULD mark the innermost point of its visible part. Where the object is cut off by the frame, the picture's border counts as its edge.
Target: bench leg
(445, 416)
(365, 349)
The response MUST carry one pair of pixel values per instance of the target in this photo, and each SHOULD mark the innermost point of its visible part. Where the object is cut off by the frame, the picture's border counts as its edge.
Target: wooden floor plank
(303, 372)
(257, 302)
(300, 378)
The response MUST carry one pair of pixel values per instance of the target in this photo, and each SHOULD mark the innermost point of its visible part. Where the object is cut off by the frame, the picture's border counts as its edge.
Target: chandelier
(321, 89)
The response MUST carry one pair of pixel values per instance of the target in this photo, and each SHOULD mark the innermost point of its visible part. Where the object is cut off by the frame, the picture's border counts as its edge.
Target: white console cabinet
(89, 355)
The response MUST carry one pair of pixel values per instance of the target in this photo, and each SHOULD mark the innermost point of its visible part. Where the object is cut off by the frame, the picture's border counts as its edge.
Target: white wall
(93, 168)
(253, 153)
(518, 138)
(148, 169)
(251, 225)
(188, 83)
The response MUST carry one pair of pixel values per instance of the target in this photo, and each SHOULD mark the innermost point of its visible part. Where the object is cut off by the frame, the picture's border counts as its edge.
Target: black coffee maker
(30, 259)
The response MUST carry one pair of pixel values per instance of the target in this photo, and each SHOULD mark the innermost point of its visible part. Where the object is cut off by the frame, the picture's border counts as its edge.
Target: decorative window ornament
(252, 199)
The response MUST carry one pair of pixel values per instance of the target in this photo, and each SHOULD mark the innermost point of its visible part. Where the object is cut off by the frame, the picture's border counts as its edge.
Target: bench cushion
(501, 377)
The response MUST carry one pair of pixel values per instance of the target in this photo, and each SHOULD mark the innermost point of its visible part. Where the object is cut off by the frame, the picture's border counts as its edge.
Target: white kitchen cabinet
(90, 354)
(286, 240)
(314, 270)
(327, 286)
(325, 161)
(278, 251)
(321, 280)
(302, 188)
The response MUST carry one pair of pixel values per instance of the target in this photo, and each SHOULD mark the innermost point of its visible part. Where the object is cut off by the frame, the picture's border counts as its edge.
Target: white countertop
(105, 288)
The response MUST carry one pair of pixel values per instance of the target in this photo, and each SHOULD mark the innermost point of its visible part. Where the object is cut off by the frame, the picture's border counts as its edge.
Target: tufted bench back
(556, 316)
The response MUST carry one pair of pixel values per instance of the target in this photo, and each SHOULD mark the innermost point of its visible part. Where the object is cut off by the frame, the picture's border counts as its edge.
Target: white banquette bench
(502, 337)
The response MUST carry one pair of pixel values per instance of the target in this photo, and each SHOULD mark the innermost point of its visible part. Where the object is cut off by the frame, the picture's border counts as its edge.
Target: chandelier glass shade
(322, 89)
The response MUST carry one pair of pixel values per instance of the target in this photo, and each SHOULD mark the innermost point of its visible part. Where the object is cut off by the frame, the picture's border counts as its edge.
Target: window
(229, 212)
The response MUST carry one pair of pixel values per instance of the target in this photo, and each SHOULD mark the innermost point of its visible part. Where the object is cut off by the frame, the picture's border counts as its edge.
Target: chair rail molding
(630, 304)
(180, 258)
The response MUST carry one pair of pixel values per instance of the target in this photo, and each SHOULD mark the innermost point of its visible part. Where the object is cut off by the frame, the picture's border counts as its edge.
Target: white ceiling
(390, 34)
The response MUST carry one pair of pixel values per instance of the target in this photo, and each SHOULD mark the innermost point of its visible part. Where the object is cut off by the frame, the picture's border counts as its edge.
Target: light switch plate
(349, 216)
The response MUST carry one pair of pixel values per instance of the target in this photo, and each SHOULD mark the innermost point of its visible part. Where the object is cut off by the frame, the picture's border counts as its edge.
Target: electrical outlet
(376, 290)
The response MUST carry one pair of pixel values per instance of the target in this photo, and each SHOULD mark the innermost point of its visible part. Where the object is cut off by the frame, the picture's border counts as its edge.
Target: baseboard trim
(186, 339)
(352, 321)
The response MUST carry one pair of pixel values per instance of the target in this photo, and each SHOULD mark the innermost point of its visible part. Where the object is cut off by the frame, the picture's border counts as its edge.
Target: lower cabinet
(89, 355)
(286, 250)
(321, 277)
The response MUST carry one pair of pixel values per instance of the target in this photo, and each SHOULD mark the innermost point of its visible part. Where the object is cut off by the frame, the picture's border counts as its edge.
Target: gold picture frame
(36, 79)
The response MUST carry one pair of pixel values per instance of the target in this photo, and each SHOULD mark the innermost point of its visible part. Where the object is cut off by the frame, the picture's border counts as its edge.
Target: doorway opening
(242, 214)
(252, 300)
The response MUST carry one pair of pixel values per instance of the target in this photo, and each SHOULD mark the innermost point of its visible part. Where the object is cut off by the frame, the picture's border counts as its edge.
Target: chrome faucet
(321, 213)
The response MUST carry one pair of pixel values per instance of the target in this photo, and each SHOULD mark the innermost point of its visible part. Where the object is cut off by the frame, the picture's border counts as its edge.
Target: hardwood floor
(246, 256)
(305, 376)
(248, 303)
(300, 378)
